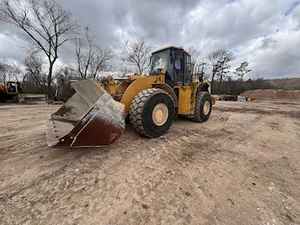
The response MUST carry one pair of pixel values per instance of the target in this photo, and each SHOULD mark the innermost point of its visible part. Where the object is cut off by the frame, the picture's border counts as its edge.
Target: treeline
(50, 27)
(236, 87)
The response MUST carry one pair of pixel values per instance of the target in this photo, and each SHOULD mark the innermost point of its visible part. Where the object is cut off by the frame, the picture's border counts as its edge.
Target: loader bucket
(90, 118)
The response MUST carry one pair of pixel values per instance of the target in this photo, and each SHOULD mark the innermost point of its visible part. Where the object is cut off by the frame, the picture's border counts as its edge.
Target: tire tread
(137, 107)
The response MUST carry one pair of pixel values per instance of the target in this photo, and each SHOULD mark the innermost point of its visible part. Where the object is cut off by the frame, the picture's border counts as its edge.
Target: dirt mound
(272, 94)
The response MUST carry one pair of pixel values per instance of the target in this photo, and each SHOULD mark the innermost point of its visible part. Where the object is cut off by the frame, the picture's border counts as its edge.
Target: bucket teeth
(90, 118)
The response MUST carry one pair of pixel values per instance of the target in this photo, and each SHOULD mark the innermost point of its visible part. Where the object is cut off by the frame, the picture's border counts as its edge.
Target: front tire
(203, 107)
(152, 112)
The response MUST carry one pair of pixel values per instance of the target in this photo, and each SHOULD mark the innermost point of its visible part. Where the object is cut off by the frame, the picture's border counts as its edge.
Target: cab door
(179, 67)
(188, 78)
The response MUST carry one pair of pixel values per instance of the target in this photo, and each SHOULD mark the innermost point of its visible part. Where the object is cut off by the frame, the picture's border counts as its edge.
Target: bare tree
(220, 61)
(17, 72)
(63, 78)
(138, 54)
(84, 58)
(34, 76)
(198, 63)
(3, 72)
(242, 70)
(91, 59)
(100, 61)
(195, 55)
(45, 22)
(9, 72)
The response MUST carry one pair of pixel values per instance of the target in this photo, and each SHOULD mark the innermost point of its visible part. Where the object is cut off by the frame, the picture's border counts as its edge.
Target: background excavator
(9, 91)
(95, 115)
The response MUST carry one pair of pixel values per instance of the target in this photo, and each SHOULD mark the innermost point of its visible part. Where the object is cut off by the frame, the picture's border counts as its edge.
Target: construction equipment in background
(9, 91)
(95, 115)
(233, 98)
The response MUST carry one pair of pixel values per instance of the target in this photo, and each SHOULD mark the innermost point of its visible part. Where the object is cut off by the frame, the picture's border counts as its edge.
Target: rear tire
(152, 112)
(203, 107)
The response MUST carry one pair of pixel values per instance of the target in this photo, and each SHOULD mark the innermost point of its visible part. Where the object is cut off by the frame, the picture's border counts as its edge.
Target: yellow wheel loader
(95, 115)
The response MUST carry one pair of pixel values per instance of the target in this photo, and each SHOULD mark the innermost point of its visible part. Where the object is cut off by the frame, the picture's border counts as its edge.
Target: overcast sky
(264, 32)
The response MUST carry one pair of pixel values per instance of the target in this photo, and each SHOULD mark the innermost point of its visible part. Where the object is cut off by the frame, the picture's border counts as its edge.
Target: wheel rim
(206, 108)
(160, 114)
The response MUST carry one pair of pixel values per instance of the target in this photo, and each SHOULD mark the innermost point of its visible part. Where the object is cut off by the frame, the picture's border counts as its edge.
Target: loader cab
(175, 62)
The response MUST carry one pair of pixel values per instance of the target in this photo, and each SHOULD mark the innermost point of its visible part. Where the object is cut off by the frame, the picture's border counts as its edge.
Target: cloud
(277, 56)
(264, 32)
(12, 47)
(293, 6)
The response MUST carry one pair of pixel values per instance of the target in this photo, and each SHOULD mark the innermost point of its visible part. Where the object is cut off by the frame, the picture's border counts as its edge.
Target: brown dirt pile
(272, 94)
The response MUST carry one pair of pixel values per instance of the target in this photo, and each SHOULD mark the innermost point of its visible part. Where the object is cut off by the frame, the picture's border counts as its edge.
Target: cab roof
(169, 47)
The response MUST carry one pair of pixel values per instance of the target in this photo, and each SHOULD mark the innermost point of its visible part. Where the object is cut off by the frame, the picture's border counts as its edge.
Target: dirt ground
(240, 168)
